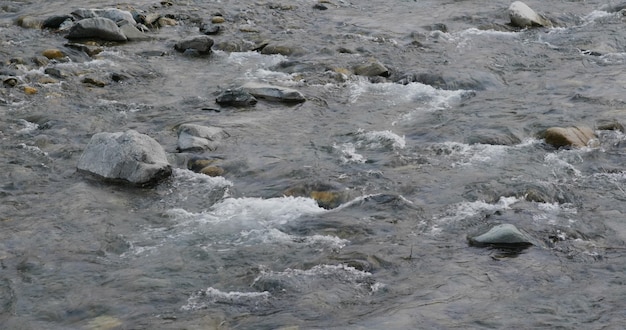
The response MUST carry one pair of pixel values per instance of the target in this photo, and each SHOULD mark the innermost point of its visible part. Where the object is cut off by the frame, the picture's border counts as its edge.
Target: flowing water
(419, 166)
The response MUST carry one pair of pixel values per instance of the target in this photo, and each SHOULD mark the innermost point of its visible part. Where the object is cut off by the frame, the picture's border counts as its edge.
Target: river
(413, 169)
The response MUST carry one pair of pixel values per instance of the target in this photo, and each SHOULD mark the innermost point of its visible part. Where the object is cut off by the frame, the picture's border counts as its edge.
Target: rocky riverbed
(311, 164)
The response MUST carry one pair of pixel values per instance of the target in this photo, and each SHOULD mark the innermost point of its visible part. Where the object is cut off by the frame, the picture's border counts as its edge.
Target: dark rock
(97, 27)
(55, 22)
(504, 235)
(119, 77)
(201, 44)
(524, 17)
(229, 46)
(89, 50)
(576, 136)
(274, 93)
(10, 82)
(209, 29)
(94, 82)
(320, 6)
(193, 137)
(128, 156)
(610, 125)
(236, 97)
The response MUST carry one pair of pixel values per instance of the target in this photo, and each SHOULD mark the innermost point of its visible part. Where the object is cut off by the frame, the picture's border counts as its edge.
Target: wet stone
(10, 82)
(576, 136)
(94, 82)
(30, 90)
(212, 171)
(209, 29)
(274, 93)
(524, 17)
(504, 235)
(236, 97)
(192, 137)
(217, 20)
(97, 27)
(53, 54)
(371, 69)
(55, 72)
(201, 44)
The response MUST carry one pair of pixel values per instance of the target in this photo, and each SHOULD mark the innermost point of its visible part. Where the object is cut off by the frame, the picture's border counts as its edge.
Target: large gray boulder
(97, 27)
(193, 137)
(126, 156)
(523, 16)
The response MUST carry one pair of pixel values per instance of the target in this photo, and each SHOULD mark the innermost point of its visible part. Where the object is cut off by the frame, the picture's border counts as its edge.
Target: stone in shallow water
(128, 156)
(193, 137)
(202, 44)
(97, 27)
(504, 235)
(576, 136)
(274, 93)
(236, 97)
(523, 16)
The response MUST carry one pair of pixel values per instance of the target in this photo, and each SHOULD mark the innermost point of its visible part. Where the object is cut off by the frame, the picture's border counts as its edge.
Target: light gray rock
(116, 15)
(133, 34)
(97, 27)
(193, 137)
(273, 93)
(523, 16)
(127, 156)
(501, 235)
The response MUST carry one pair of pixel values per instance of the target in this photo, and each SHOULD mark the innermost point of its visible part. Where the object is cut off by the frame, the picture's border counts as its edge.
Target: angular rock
(55, 22)
(193, 137)
(209, 29)
(201, 44)
(576, 136)
(97, 27)
(236, 97)
(523, 16)
(133, 34)
(127, 156)
(371, 69)
(116, 15)
(274, 93)
(504, 235)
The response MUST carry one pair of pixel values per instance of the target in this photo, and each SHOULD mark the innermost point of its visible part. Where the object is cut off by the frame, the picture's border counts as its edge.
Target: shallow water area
(349, 210)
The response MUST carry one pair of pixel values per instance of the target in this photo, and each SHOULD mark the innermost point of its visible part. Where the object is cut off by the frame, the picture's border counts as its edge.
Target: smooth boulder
(193, 137)
(575, 136)
(524, 17)
(97, 27)
(372, 68)
(126, 156)
(235, 97)
(274, 93)
(504, 235)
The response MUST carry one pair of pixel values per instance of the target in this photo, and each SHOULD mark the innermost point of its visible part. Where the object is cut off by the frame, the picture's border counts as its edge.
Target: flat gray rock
(274, 93)
(501, 235)
(128, 156)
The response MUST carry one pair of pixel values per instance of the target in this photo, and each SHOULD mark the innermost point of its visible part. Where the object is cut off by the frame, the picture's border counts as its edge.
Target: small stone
(40, 60)
(193, 137)
(209, 29)
(371, 69)
(212, 171)
(217, 20)
(524, 17)
(504, 235)
(55, 22)
(47, 80)
(30, 90)
(29, 22)
(576, 136)
(55, 72)
(53, 54)
(274, 93)
(90, 50)
(320, 6)
(327, 199)
(278, 50)
(10, 82)
(197, 164)
(94, 82)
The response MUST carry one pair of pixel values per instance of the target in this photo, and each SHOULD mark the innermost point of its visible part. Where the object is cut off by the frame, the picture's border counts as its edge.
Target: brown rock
(94, 82)
(53, 54)
(30, 90)
(575, 136)
(212, 171)
(218, 20)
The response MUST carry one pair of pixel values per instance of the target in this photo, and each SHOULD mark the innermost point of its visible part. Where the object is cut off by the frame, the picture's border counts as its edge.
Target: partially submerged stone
(274, 93)
(236, 97)
(372, 68)
(504, 235)
(126, 156)
(193, 137)
(202, 44)
(575, 136)
(523, 16)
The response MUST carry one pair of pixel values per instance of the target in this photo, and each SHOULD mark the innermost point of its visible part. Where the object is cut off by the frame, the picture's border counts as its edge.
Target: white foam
(466, 210)
(205, 298)
(254, 59)
(275, 236)
(27, 126)
(377, 139)
(348, 153)
(186, 178)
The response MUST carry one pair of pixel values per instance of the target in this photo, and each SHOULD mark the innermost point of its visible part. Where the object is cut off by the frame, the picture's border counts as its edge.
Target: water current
(415, 166)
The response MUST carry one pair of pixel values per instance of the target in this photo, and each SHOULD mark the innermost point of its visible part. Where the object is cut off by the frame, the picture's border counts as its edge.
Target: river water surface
(415, 166)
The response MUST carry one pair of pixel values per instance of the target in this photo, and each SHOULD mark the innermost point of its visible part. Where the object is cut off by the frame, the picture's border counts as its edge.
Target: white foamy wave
(562, 161)
(254, 59)
(186, 178)
(426, 95)
(378, 139)
(205, 298)
(476, 32)
(348, 154)
(549, 212)
(275, 236)
(27, 126)
(461, 154)
(597, 15)
(466, 210)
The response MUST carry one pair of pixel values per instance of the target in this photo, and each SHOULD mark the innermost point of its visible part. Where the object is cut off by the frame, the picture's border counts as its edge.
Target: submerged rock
(504, 235)
(128, 156)
(236, 97)
(523, 16)
(576, 136)
(196, 137)
(274, 93)
(201, 44)
(97, 27)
